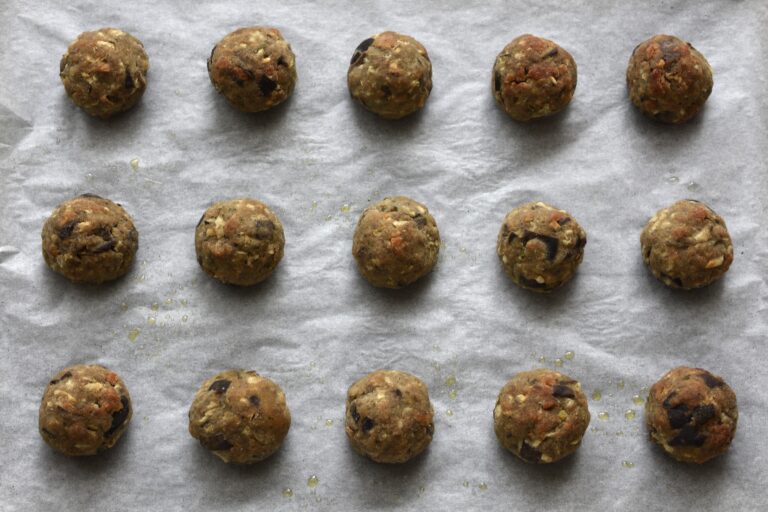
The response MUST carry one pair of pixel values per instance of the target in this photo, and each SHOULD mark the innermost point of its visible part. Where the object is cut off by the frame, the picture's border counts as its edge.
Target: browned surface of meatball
(668, 79)
(691, 414)
(104, 72)
(240, 416)
(687, 245)
(389, 416)
(541, 415)
(254, 68)
(533, 77)
(390, 75)
(89, 239)
(396, 242)
(239, 241)
(85, 409)
(540, 247)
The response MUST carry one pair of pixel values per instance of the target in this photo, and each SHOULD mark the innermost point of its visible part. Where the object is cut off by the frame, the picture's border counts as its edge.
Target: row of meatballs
(105, 72)
(242, 417)
(241, 241)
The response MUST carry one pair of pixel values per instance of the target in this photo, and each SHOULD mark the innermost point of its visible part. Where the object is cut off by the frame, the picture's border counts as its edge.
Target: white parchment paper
(316, 325)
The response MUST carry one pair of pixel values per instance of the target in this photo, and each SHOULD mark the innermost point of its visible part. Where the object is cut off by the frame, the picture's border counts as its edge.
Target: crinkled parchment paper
(316, 326)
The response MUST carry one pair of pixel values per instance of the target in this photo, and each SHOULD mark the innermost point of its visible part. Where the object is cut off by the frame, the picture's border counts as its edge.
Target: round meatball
(541, 415)
(687, 245)
(389, 416)
(533, 77)
(240, 416)
(254, 68)
(104, 72)
(692, 414)
(540, 247)
(396, 242)
(668, 79)
(390, 75)
(85, 409)
(239, 241)
(89, 239)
